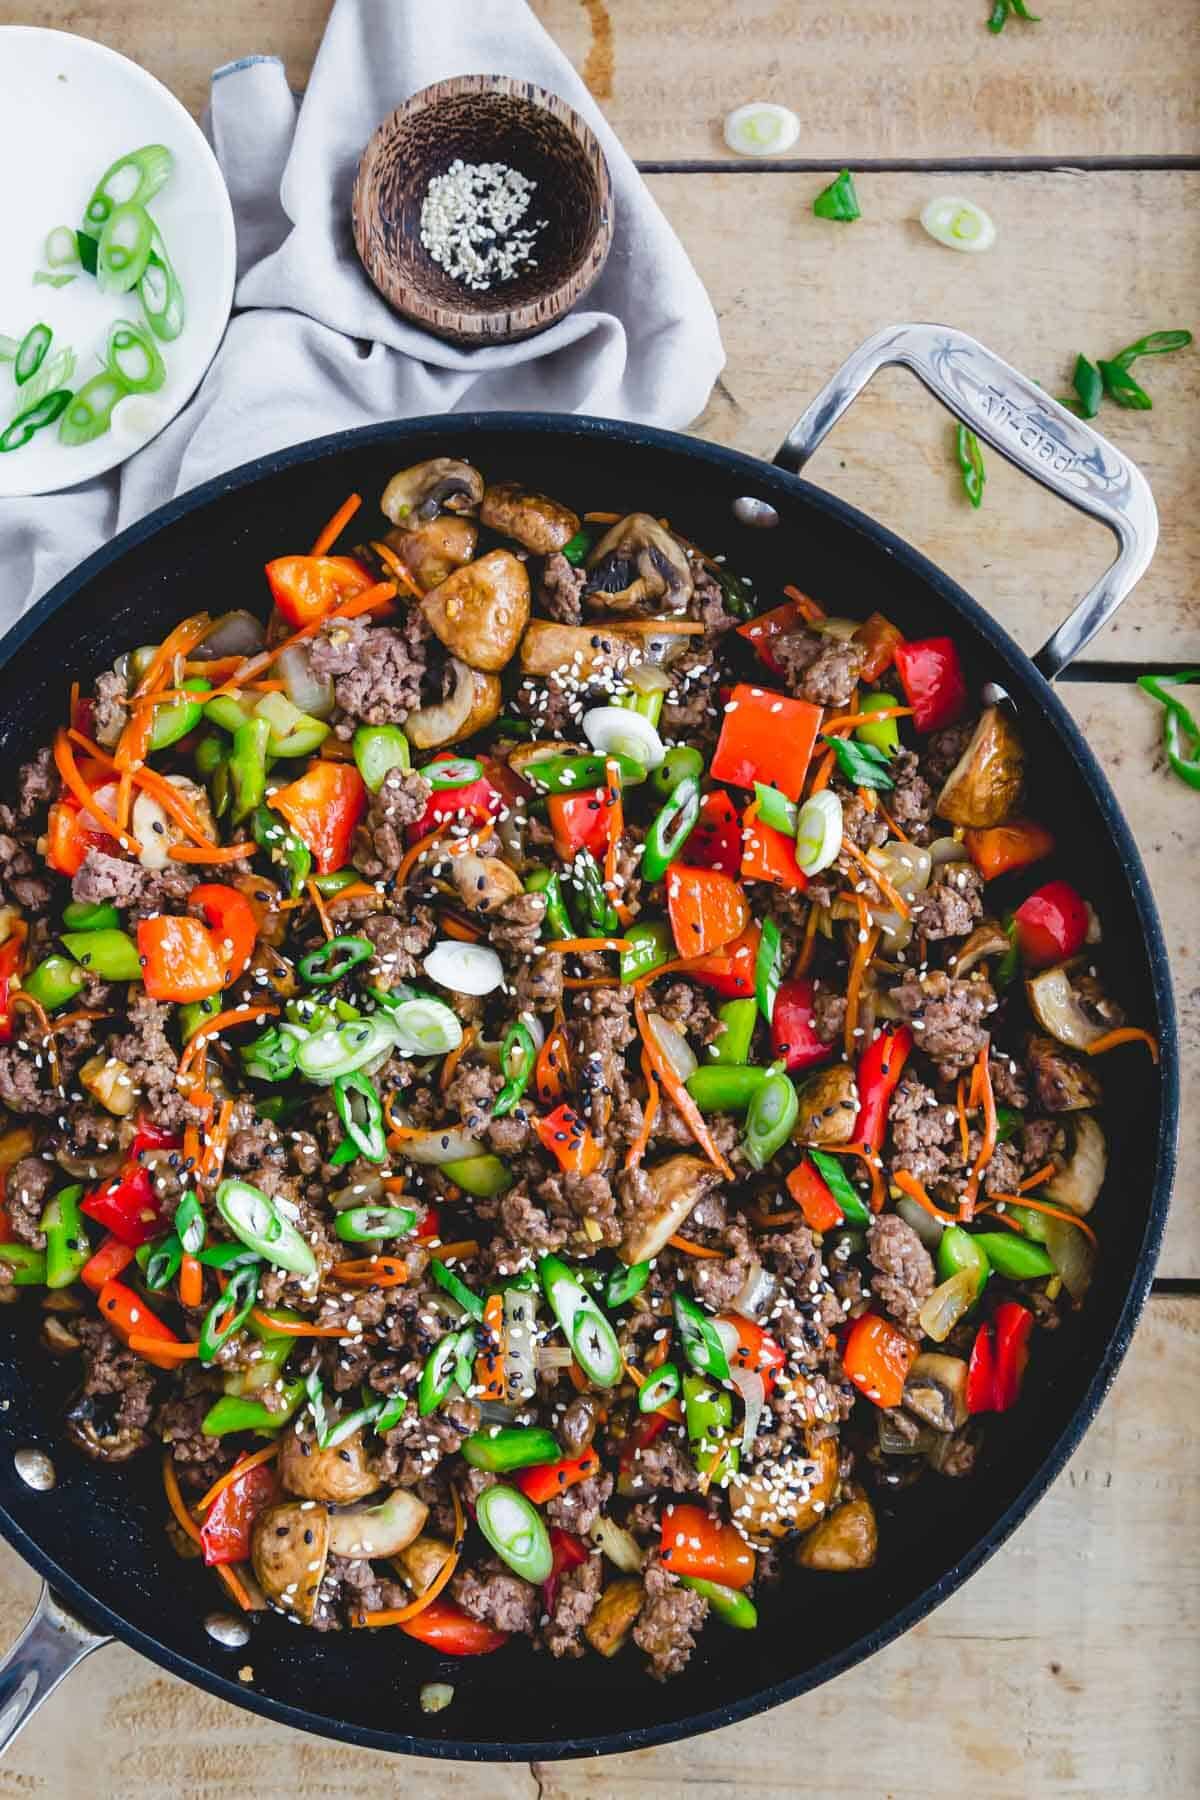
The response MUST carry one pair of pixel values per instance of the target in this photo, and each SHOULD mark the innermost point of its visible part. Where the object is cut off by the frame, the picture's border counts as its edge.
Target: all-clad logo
(1029, 434)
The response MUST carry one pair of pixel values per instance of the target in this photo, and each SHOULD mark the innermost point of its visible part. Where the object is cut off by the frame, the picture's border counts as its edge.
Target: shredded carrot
(185, 636)
(395, 567)
(981, 1081)
(234, 1585)
(64, 762)
(62, 1020)
(874, 1168)
(908, 1184)
(809, 610)
(867, 798)
(790, 1215)
(1037, 1178)
(331, 532)
(808, 944)
(223, 1021)
(213, 1160)
(454, 927)
(152, 1347)
(651, 627)
(296, 1328)
(600, 518)
(451, 1062)
(848, 721)
(577, 983)
(213, 668)
(641, 1143)
(191, 1281)
(579, 1380)
(382, 594)
(864, 949)
(964, 1130)
(489, 1364)
(317, 898)
(415, 852)
(211, 853)
(689, 1248)
(370, 1271)
(175, 1499)
(242, 1467)
(658, 1352)
(396, 1615)
(1124, 1034)
(73, 702)
(692, 1116)
(1042, 1206)
(459, 1251)
(353, 890)
(890, 893)
(577, 946)
(35, 1007)
(820, 780)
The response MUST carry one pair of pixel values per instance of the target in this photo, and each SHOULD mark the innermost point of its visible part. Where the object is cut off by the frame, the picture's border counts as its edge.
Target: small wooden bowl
(484, 118)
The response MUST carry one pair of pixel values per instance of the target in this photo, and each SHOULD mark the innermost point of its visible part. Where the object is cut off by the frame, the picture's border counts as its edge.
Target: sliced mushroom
(665, 1197)
(984, 786)
(828, 1107)
(1080, 1169)
(988, 939)
(638, 566)
(577, 652)
(423, 1560)
(58, 1338)
(1061, 1083)
(338, 1476)
(615, 1615)
(541, 524)
(847, 1539)
(484, 881)
(91, 1426)
(480, 611)
(424, 490)
(155, 829)
(289, 1547)
(435, 548)
(110, 1081)
(790, 1497)
(936, 1391)
(473, 702)
(1070, 1004)
(380, 1530)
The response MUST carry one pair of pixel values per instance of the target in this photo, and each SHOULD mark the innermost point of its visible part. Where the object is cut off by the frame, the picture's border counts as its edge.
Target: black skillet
(97, 1536)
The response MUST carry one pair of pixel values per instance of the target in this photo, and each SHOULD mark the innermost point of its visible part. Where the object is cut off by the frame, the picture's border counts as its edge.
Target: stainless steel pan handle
(50, 1646)
(1014, 416)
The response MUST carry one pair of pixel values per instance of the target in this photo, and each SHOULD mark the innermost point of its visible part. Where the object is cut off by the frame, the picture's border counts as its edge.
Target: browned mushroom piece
(848, 1539)
(935, 1389)
(615, 1615)
(92, 1426)
(484, 882)
(338, 1476)
(435, 548)
(1080, 1167)
(828, 1107)
(480, 611)
(381, 1528)
(1061, 1083)
(638, 567)
(664, 1197)
(541, 524)
(289, 1547)
(791, 1496)
(419, 493)
(423, 1560)
(472, 702)
(989, 938)
(1069, 1003)
(577, 651)
(984, 786)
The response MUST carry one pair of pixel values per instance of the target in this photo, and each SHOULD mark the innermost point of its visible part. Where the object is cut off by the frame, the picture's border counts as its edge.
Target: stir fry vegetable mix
(536, 1088)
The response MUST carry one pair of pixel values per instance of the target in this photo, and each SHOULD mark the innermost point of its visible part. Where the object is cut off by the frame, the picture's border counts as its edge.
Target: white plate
(70, 109)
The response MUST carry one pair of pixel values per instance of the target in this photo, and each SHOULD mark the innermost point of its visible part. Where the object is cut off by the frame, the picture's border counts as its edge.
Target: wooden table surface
(1071, 1664)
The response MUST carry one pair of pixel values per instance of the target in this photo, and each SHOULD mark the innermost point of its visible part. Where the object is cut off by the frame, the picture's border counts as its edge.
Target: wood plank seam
(922, 165)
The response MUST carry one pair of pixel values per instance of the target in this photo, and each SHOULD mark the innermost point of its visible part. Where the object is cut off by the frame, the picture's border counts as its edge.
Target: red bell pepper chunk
(793, 1035)
(564, 1134)
(715, 841)
(71, 833)
(767, 737)
(567, 1552)
(877, 1357)
(324, 808)
(579, 822)
(646, 1427)
(447, 1628)
(11, 952)
(1013, 1325)
(106, 1262)
(1051, 925)
(127, 1206)
(762, 631)
(431, 1224)
(729, 972)
(694, 1544)
(879, 1070)
(814, 1198)
(541, 1482)
(1001, 849)
(880, 640)
(129, 1316)
(757, 1353)
(149, 1136)
(707, 910)
(181, 959)
(305, 588)
(229, 1521)
(230, 918)
(769, 855)
(477, 801)
(981, 1373)
(933, 681)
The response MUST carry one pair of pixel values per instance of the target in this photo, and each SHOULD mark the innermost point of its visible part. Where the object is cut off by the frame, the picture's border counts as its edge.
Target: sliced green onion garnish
(134, 356)
(591, 1337)
(958, 224)
(839, 200)
(819, 832)
(31, 353)
(161, 294)
(453, 772)
(659, 1390)
(90, 412)
(255, 1220)
(761, 128)
(62, 249)
(125, 243)
(134, 178)
(18, 434)
(513, 1527)
(970, 462)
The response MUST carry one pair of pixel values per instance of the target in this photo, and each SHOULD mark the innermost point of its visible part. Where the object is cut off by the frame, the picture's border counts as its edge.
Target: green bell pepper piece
(725, 1088)
(233, 1413)
(26, 1267)
(378, 749)
(175, 718)
(958, 1250)
(672, 827)
(67, 1246)
(482, 1177)
(681, 763)
(1012, 1257)
(884, 734)
(209, 754)
(650, 946)
(227, 711)
(733, 1041)
(1033, 1224)
(110, 954)
(55, 981)
(769, 1120)
(79, 915)
(730, 1606)
(195, 1014)
(248, 767)
(708, 1412)
(283, 847)
(558, 919)
(511, 1447)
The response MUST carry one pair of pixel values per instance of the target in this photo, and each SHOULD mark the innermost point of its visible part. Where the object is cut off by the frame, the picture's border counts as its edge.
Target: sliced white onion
(648, 678)
(424, 1027)
(236, 633)
(615, 731)
(754, 1396)
(761, 128)
(757, 1292)
(496, 1412)
(464, 968)
(819, 832)
(927, 1228)
(674, 1046)
(1072, 1254)
(554, 1356)
(618, 1545)
(946, 849)
(947, 1304)
(958, 224)
(313, 694)
(438, 1147)
(834, 627)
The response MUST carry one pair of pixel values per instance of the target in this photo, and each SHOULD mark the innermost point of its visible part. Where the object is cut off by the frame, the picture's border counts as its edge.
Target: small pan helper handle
(1014, 416)
(50, 1646)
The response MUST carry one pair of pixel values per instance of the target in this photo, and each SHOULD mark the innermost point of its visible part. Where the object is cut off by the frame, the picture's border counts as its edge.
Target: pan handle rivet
(35, 1469)
(759, 513)
(225, 1629)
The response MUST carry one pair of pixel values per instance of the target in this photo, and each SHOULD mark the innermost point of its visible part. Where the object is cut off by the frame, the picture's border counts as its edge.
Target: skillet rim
(761, 477)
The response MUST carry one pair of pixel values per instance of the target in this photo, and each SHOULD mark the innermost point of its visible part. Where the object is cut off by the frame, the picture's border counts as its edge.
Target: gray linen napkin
(312, 348)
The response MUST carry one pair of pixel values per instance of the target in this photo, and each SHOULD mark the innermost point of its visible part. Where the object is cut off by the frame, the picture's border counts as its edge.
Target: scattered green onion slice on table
(970, 463)
(819, 831)
(514, 1528)
(839, 200)
(1004, 10)
(1089, 387)
(958, 224)
(1181, 731)
(761, 128)
(1121, 386)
